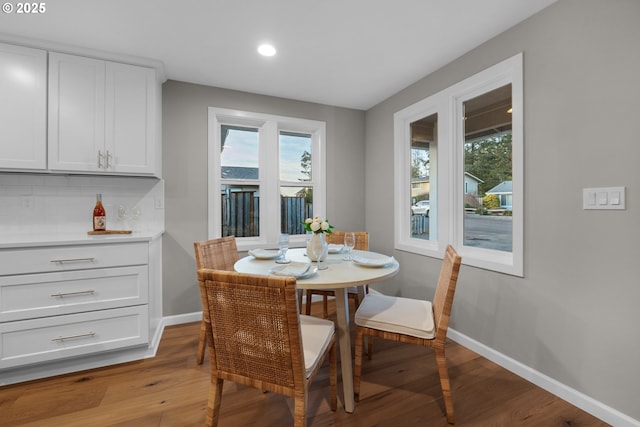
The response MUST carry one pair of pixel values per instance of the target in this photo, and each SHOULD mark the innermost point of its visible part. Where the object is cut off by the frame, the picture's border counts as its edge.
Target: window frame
(449, 218)
(269, 128)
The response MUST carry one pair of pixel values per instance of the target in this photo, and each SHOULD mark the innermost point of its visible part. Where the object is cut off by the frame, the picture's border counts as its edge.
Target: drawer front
(42, 340)
(38, 295)
(65, 258)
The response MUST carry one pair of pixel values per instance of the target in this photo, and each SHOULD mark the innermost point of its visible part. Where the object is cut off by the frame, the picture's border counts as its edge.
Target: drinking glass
(349, 242)
(283, 246)
(122, 215)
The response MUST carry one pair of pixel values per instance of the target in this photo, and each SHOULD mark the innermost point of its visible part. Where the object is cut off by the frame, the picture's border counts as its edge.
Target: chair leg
(445, 384)
(213, 406)
(333, 378)
(325, 307)
(308, 303)
(357, 368)
(202, 343)
(300, 410)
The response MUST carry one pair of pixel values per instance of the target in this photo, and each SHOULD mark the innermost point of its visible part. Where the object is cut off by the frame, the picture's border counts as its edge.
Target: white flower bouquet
(318, 225)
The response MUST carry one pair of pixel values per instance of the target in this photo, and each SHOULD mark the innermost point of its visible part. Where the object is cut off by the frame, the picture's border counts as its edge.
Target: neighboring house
(420, 187)
(504, 192)
(471, 184)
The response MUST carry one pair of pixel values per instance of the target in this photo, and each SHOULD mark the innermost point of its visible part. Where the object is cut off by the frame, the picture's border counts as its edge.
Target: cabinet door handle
(108, 158)
(100, 159)
(68, 294)
(88, 259)
(71, 337)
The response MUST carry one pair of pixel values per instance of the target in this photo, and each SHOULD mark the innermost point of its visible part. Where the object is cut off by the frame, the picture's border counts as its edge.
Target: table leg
(344, 341)
(299, 292)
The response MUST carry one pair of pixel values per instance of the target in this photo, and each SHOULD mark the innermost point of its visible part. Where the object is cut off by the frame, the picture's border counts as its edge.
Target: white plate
(299, 270)
(264, 253)
(335, 249)
(372, 260)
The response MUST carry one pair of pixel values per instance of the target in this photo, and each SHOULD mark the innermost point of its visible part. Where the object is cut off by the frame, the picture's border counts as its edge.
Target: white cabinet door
(23, 107)
(101, 116)
(130, 118)
(56, 337)
(76, 113)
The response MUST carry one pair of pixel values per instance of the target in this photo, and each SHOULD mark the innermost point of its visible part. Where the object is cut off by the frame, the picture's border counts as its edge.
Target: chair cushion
(396, 314)
(316, 337)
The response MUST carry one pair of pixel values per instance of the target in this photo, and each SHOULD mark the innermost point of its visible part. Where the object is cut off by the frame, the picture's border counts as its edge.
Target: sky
(241, 149)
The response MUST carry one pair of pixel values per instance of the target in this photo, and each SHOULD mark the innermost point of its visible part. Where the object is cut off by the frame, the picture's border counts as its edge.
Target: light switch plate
(603, 198)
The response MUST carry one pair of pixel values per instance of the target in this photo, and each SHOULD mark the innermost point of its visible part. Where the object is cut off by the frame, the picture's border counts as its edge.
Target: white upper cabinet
(76, 113)
(23, 112)
(102, 117)
(130, 120)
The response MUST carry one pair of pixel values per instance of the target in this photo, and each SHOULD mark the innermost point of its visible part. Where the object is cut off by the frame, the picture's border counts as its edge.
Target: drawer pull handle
(71, 337)
(89, 259)
(67, 294)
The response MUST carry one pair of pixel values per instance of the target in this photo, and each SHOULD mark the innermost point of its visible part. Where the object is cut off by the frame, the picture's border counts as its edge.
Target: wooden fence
(294, 211)
(420, 225)
(241, 210)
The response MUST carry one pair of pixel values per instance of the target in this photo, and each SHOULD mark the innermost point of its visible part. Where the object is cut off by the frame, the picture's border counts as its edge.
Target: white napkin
(294, 268)
(334, 249)
(264, 253)
(374, 262)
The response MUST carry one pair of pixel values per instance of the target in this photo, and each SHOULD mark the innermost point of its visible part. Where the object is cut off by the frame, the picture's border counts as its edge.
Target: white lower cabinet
(51, 338)
(59, 302)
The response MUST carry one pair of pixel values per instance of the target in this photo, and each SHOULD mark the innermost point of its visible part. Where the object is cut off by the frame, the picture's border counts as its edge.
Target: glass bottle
(99, 215)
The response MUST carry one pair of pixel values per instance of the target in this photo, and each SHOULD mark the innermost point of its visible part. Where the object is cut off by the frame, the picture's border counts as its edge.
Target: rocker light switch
(614, 197)
(603, 198)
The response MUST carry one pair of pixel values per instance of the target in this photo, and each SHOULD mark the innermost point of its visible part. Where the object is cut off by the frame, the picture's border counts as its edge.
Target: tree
(490, 160)
(305, 164)
(419, 162)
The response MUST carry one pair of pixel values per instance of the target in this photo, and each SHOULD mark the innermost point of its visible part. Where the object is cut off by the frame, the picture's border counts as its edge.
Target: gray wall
(574, 316)
(185, 172)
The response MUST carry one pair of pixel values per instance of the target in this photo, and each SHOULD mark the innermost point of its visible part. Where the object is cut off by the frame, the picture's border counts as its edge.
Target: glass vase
(317, 239)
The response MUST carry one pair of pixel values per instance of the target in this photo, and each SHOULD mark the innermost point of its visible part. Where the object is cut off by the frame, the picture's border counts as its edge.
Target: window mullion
(269, 182)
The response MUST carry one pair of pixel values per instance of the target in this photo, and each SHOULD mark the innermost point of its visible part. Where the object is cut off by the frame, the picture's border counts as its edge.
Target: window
(459, 171)
(266, 175)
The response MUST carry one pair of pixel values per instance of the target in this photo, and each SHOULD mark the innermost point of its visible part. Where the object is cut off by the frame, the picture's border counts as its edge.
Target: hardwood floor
(399, 388)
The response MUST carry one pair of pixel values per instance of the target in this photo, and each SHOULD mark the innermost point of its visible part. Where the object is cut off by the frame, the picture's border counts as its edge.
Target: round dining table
(339, 275)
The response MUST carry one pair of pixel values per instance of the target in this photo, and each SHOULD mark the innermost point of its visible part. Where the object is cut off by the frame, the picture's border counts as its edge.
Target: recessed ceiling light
(266, 50)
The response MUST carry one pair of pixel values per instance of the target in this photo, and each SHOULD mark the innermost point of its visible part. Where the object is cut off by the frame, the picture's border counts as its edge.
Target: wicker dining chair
(259, 339)
(412, 321)
(216, 254)
(337, 237)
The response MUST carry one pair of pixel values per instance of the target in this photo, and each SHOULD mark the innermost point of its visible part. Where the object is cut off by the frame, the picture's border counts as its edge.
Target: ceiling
(347, 53)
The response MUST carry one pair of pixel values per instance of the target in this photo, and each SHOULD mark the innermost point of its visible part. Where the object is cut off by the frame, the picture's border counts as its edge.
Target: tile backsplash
(34, 203)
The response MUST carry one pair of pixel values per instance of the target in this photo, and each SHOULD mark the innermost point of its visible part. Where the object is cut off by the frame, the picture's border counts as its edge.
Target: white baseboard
(182, 318)
(576, 398)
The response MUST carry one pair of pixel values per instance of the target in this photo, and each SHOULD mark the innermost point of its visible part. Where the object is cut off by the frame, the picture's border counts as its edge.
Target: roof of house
(473, 177)
(238, 172)
(505, 187)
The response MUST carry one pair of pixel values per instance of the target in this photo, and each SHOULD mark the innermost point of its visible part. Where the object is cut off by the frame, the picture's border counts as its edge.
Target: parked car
(420, 208)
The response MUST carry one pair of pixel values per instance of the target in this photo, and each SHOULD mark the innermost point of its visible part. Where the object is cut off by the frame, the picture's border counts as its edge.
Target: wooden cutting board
(93, 233)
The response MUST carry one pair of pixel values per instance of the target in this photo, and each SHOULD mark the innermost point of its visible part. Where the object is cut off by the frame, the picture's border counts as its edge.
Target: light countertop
(26, 239)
